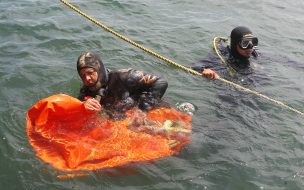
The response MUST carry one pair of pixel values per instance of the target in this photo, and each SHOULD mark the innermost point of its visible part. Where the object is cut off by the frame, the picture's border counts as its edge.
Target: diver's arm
(149, 98)
(209, 73)
(198, 68)
(82, 94)
(159, 88)
(91, 104)
(206, 72)
(151, 88)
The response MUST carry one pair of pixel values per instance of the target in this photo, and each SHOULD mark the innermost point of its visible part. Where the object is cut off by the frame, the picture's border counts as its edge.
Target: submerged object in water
(186, 107)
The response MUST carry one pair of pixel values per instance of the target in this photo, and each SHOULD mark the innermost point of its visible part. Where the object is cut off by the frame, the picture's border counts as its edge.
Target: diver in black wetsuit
(237, 56)
(117, 90)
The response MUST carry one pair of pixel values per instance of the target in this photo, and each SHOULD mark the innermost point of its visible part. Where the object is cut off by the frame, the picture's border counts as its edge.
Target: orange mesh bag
(69, 138)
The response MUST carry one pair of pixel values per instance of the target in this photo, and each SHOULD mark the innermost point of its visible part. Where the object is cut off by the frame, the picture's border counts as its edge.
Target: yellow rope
(128, 40)
(172, 62)
(216, 49)
(232, 71)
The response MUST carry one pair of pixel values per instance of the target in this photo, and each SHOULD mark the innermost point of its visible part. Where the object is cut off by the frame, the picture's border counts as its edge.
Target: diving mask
(248, 42)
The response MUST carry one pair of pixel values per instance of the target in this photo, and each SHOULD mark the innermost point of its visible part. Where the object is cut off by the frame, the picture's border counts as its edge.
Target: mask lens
(255, 41)
(248, 43)
(245, 43)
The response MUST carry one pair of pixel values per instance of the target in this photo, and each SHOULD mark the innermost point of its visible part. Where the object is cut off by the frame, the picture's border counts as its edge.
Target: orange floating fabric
(69, 138)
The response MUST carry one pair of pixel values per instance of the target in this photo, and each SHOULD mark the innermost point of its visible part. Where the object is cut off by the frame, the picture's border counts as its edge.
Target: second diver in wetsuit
(237, 55)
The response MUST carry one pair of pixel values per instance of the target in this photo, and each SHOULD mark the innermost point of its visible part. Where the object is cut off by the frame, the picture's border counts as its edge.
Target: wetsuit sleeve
(158, 88)
(149, 98)
(204, 64)
(198, 68)
(82, 94)
(151, 88)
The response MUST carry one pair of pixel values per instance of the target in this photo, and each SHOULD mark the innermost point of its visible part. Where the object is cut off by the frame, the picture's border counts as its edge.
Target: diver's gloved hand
(146, 102)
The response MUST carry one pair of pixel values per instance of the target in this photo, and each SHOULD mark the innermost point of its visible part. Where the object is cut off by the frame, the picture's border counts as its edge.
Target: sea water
(239, 140)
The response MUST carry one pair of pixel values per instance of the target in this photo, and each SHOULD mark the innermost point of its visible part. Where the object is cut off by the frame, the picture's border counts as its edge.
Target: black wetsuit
(126, 88)
(235, 63)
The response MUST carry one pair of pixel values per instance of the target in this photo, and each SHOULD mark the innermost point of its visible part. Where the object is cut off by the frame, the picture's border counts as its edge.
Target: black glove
(146, 101)
(100, 94)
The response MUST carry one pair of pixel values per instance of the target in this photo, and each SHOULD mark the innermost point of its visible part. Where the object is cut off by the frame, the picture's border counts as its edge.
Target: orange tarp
(69, 138)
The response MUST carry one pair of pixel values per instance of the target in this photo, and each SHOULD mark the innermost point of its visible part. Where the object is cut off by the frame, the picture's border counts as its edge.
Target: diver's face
(244, 52)
(88, 76)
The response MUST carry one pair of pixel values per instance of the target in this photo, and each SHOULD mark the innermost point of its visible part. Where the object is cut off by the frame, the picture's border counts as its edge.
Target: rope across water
(174, 63)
